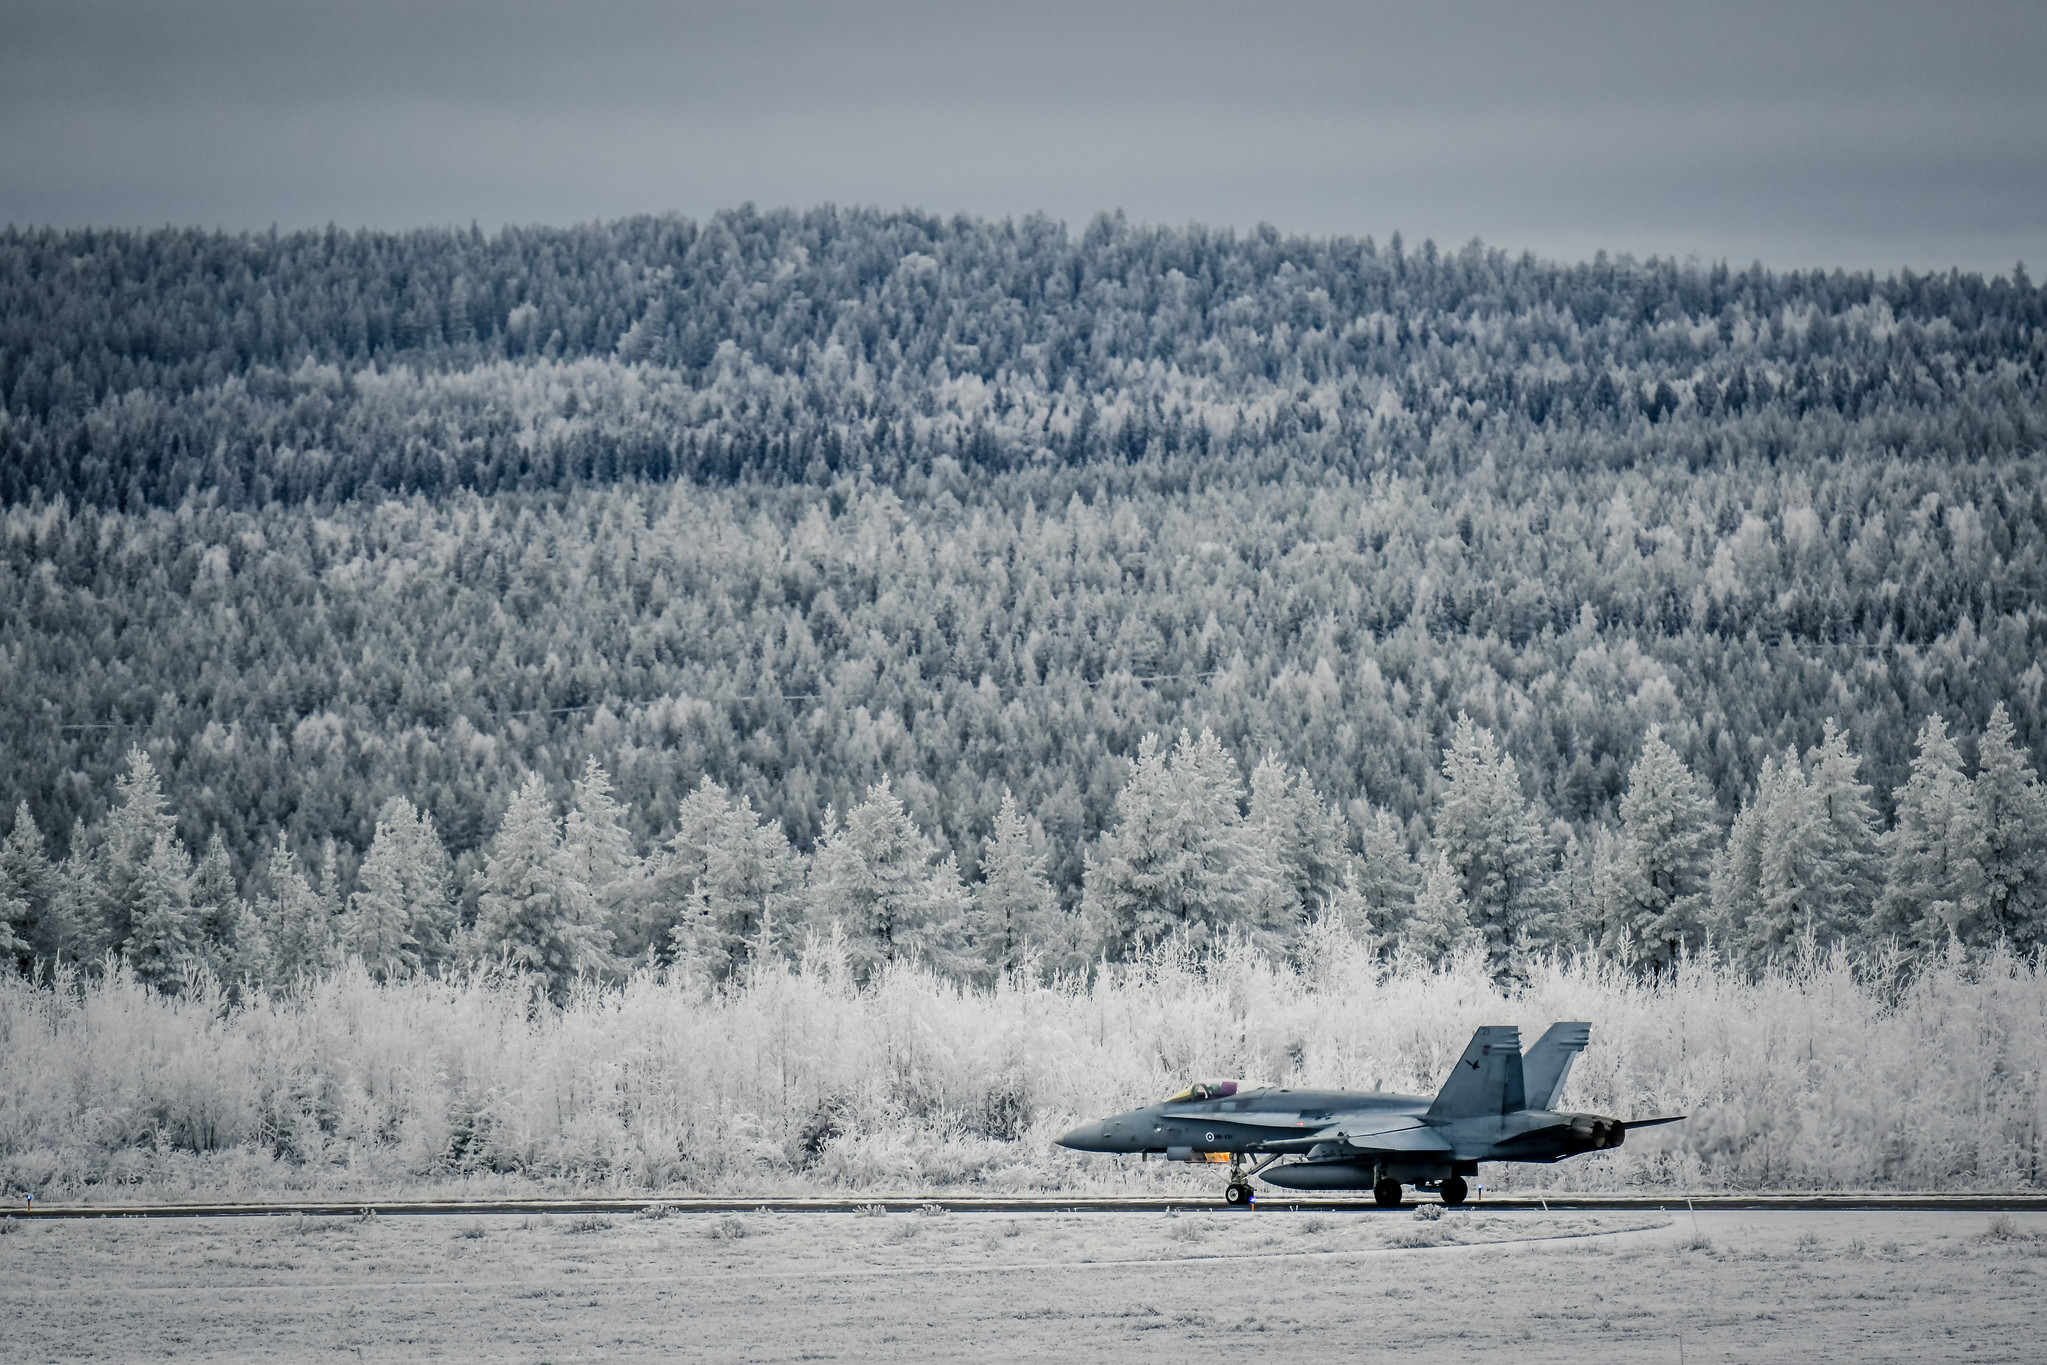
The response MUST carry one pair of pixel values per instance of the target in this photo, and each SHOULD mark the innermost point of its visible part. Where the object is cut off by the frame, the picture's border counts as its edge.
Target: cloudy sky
(1866, 134)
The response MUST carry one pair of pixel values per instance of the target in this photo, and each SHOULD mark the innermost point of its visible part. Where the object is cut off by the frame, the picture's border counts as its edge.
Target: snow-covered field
(1260, 1285)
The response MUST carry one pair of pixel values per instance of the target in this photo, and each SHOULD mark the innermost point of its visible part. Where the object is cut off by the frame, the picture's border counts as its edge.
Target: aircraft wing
(1406, 1134)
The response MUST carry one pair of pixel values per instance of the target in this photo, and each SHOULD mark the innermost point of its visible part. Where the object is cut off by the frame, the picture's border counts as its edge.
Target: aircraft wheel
(1236, 1196)
(1455, 1191)
(1387, 1194)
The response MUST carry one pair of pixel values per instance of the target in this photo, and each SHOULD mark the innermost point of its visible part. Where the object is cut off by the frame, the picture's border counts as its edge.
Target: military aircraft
(1494, 1107)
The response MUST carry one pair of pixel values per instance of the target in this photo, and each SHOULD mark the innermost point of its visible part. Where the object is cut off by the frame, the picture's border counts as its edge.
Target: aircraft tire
(1455, 1191)
(1387, 1194)
(1236, 1196)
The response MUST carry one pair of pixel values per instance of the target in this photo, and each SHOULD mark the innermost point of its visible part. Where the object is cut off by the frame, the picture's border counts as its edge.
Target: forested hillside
(339, 531)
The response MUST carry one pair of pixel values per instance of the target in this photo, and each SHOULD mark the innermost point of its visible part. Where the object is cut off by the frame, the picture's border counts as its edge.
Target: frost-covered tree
(298, 930)
(1662, 866)
(162, 945)
(1439, 926)
(1383, 875)
(1014, 910)
(140, 816)
(218, 910)
(1301, 838)
(1179, 859)
(885, 884)
(597, 848)
(1835, 892)
(1799, 861)
(1495, 843)
(730, 889)
(1933, 885)
(401, 917)
(30, 896)
(531, 909)
(2010, 850)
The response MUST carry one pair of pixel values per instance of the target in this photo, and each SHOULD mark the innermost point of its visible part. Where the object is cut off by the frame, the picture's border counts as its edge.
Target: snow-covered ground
(1267, 1284)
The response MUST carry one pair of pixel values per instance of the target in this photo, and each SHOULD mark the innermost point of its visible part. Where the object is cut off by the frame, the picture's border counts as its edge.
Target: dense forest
(667, 590)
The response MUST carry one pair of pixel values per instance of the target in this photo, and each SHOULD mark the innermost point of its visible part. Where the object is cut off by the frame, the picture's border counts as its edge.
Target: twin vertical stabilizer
(1492, 1077)
(1487, 1079)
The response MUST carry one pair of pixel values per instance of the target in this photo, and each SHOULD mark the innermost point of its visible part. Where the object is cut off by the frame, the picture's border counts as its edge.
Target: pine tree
(2011, 838)
(1179, 859)
(161, 947)
(1014, 910)
(1933, 885)
(1496, 845)
(1662, 866)
(532, 909)
(886, 885)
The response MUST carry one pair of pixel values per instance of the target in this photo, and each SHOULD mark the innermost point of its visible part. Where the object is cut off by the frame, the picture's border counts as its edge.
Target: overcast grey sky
(1869, 134)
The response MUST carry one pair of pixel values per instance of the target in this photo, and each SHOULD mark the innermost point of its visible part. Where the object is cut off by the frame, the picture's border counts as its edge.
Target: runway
(1268, 1201)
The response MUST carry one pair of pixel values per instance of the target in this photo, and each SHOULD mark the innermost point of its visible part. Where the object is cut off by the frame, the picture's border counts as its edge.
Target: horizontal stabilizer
(1487, 1078)
(1633, 1124)
(1546, 1066)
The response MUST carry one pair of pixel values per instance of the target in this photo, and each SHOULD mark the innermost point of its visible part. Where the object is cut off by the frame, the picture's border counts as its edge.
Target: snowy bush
(1810, 1076)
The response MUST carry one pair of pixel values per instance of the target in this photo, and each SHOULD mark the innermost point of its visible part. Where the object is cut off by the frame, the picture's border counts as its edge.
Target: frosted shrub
(796, 1076)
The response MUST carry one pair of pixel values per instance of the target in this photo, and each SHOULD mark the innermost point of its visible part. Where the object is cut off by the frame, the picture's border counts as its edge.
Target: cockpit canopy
(1203, 1090)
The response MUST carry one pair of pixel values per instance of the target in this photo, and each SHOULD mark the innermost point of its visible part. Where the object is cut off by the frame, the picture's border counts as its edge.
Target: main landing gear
(1455, 1191)
(1387, 1194)
(1237, 1195)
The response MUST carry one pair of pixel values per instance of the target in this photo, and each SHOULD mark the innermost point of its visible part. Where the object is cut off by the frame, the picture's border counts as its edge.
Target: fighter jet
(1494, 1107)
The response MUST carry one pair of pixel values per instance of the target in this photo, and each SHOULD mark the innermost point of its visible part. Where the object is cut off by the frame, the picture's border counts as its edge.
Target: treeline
(802, 502)
(1193, 860)
(142, 368)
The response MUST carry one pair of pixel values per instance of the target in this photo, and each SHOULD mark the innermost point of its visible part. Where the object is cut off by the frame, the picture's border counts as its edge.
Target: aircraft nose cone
(1087, 1137)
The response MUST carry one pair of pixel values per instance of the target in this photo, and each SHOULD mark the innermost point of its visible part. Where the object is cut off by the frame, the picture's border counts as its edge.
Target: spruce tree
(162, 945)
(1384, 875)
(1933, 885)
(533, 911)
(597, 850)
(1014, 910)
(218, 911)
(31, 896)
(1178, 859)
(297, 930)
(2011, 838)
(1495, 844)
(1301, 838)
(1737, 908)
(731, 887)
(888, 887)
(1439, 927)
(140, 816)
(1662, 867)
